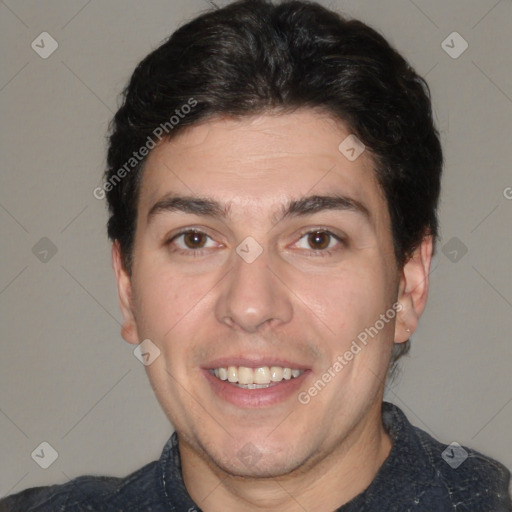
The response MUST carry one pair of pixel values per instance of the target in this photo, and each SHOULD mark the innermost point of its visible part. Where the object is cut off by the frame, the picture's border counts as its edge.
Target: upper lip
(253, 362)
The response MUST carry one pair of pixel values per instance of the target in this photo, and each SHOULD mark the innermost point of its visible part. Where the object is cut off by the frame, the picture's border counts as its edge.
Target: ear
(413, 290)
(124, 289)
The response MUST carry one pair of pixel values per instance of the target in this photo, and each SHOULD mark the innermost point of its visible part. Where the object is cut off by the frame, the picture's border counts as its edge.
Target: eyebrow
(204, 206)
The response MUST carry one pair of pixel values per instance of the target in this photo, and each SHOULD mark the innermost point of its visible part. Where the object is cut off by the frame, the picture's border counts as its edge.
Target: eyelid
(185, 231)
(338, 237)
(188, 229)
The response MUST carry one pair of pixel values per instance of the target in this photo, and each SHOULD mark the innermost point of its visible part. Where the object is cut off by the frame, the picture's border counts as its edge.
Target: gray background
(69, 379)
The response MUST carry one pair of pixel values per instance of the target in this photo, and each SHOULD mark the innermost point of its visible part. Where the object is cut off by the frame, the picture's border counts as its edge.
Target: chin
(257, 460)
(265, 467)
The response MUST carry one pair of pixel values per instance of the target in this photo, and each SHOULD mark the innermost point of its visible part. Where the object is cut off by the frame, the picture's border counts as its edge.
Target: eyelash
(201, 252)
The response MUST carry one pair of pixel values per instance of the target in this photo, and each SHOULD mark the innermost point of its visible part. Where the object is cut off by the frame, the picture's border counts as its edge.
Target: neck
(323, 483)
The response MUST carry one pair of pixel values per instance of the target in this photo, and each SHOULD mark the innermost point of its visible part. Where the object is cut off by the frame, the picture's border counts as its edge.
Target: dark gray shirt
(419, 474)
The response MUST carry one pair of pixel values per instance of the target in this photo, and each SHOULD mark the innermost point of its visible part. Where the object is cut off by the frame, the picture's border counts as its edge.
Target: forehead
(255, 165)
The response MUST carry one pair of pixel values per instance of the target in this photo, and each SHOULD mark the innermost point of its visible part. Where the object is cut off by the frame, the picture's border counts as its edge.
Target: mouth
(261, 377)
(252, 384)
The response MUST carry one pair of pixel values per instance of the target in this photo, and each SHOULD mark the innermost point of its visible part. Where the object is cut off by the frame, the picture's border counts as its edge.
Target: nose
(254, 296)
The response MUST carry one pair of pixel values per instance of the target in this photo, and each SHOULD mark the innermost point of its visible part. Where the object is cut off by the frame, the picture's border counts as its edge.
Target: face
(261, 254)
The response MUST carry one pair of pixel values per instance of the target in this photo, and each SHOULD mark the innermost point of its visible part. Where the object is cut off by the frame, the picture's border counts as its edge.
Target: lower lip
(256, 398)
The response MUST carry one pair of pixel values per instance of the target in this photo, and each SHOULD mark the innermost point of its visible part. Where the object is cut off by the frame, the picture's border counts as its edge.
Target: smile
(255, 378)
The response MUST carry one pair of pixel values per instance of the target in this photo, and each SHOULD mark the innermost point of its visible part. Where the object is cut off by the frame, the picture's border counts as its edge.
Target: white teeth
(261, 375)
(255, 378)
(276, 374)
(245, 375)
(232, 374)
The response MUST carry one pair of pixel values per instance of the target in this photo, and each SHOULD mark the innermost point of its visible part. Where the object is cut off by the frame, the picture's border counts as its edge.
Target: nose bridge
(252, 296)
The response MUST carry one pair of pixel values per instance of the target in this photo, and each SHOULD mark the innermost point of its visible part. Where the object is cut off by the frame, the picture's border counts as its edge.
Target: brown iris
(319, 239)
(194, 240)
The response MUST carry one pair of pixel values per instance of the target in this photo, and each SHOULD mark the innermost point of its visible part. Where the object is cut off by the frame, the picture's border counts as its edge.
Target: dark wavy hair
(252, 57)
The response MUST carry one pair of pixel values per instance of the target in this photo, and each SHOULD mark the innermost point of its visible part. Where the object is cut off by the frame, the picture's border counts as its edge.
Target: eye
(319, 240)
(191, 241)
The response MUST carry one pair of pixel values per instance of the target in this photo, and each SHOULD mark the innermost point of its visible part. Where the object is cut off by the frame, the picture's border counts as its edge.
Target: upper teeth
(261, 375)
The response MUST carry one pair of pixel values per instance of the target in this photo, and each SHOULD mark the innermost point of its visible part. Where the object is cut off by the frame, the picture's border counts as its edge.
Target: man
(273, 178)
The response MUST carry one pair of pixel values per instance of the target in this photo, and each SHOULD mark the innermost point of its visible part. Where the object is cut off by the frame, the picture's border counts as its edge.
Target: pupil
(319, 239)
(193, 240)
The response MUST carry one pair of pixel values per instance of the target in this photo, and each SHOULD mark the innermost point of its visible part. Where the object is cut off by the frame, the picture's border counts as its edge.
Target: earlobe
(124, 289)
(413, 290)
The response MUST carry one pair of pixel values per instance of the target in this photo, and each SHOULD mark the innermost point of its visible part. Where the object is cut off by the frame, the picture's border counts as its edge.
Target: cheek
(162, 302)
(346, 299)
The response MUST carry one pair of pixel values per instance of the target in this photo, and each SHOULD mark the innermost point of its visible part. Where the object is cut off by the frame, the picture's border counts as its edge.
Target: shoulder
(98, 493)
(470, 479)
(426, 474)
